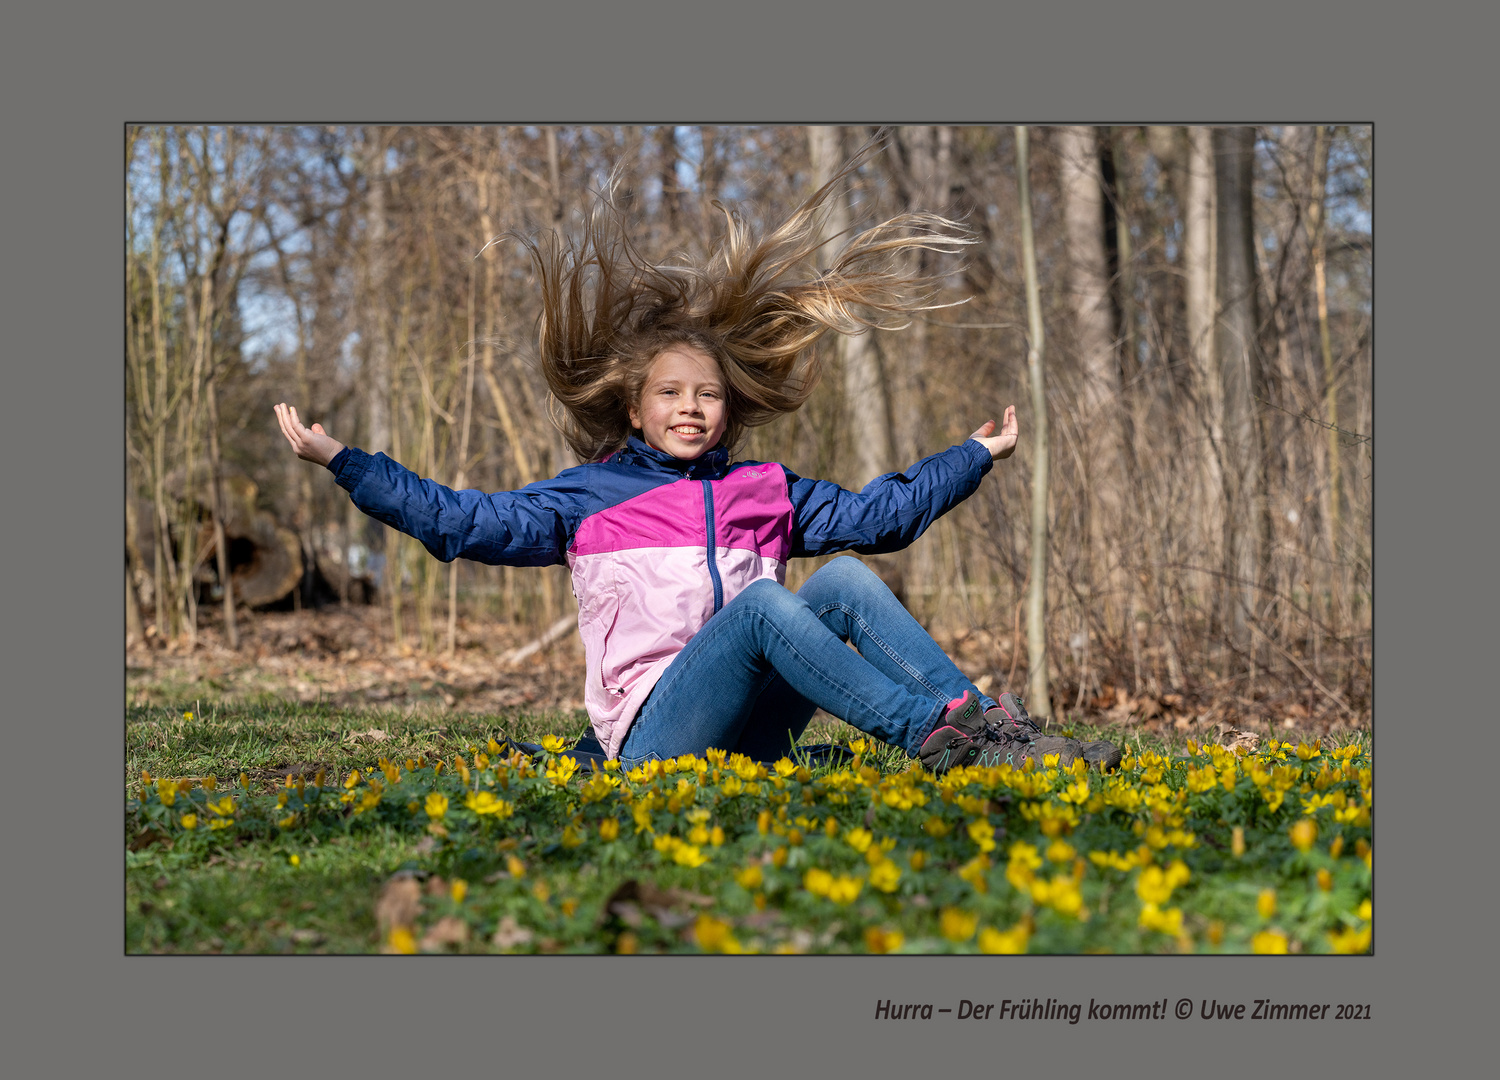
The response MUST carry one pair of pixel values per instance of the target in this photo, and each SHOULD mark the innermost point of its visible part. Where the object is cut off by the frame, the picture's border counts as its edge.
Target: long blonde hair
(757, 304)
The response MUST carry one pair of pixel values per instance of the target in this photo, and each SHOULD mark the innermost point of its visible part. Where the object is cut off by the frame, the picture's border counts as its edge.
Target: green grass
(240, 890)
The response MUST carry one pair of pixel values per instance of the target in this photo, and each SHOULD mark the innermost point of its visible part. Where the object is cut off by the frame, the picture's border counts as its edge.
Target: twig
(548, 636)
(1356, 436)
(1330, 694)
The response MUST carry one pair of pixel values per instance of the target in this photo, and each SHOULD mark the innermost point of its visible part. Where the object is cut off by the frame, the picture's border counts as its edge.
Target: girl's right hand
(312, 444)
(1003, 444)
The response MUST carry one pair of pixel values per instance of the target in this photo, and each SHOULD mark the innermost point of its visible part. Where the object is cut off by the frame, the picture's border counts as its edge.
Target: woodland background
(1205, 307)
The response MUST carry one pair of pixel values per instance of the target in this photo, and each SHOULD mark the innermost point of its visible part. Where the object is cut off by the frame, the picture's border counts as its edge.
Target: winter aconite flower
(1004, 942)
(881, 941)
(1269, 941)
(885, 875)
(486, 804)
(957, 926)
(1350, 941)
(553, 743)
(1265, 903)
(402, 941)
(437, 806)
(1304, 834)
(609, 829)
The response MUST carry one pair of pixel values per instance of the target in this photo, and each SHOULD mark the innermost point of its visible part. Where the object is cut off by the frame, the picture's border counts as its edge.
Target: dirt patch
(345, 657)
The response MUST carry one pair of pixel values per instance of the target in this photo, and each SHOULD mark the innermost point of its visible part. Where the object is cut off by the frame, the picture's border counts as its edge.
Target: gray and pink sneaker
(1005, 733)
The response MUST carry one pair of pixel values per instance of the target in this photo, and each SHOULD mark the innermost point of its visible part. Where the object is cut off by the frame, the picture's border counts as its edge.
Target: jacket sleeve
(892, 510)
(529, 527)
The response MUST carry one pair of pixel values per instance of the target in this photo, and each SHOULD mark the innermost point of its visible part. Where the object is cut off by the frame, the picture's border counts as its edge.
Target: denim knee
(768, 596)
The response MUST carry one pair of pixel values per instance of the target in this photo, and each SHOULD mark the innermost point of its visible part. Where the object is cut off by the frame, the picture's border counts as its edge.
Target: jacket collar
(637, 451)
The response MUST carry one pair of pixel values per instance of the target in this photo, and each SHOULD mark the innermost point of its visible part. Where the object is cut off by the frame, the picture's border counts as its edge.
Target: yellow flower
(785, 767)
(561, 770)
(845, 889)
(485, 803)
(817, 880)
(882, 941)
(459, 890)
(885, 875)
(1269, 941)
(223, 808)
(1166, 922)
(1365, 910)
(1325, 880)
(1216, 932)
(553, 743)
(515, 867)
(1060, 851)
(541, 892)
(295, 860)
(1004, 942)
(715, 936)
(437, 805)
(187, 716)
(1237, 841)
(974, 872)
(957, 926)
(716, 836)
(189, 821)
(570, 837)
(918, 859)
(1304, 834)
(401, 941)
(1155, 885)
(353, 779)
(689, 855)
(859, 839)
(286, 822)
(983, 834)
(750, 877)
(1265, 903)
(1350, 941)
(935, 827)
(609, 829)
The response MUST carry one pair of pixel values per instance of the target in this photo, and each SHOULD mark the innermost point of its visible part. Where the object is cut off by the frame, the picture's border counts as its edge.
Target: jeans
(754, 675)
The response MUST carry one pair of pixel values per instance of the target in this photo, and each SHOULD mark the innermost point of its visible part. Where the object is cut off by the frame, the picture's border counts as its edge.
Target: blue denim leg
(752, 677)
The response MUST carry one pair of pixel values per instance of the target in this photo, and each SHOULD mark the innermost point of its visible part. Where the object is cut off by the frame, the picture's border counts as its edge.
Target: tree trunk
(1198, 265)
(216, 502)
(1334, 514)
(864, 388)
(1239, 367)
(1088, 278)
(1037, 691)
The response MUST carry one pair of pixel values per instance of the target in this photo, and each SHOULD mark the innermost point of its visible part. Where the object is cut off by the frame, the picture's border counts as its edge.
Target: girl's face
(682, 403)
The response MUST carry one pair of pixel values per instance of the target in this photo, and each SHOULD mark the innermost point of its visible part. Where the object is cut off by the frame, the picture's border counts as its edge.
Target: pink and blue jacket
(657, 545)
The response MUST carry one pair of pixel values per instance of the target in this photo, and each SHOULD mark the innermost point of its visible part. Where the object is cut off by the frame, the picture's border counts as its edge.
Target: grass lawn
(425, 835)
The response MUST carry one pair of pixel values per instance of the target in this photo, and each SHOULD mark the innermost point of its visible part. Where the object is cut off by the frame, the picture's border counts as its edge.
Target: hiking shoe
(1010, 714)
(965, 736)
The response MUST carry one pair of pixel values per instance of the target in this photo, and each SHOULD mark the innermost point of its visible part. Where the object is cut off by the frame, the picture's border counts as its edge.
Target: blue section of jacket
(534, 525)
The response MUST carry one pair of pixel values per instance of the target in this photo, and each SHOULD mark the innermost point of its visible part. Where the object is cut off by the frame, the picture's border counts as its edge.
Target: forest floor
(345, 658)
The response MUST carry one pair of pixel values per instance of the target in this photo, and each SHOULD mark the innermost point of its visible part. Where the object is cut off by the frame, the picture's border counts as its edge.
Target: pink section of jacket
(644, 587)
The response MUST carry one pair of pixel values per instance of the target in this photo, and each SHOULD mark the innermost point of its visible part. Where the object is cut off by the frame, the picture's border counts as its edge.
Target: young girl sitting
(678, 555)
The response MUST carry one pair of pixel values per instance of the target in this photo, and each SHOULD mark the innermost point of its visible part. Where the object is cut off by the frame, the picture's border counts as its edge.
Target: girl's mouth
(686, 431)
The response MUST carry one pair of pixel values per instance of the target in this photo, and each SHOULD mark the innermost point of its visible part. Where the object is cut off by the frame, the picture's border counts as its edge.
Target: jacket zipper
(713, 553)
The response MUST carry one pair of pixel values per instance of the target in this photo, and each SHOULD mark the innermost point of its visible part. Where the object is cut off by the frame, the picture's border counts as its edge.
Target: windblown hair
(757, 305)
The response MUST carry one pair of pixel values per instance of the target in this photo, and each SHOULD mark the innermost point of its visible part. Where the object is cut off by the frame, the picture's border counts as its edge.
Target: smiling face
(682, 409)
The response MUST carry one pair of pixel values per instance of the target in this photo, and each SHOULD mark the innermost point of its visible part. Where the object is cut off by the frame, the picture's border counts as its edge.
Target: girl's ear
(635, 417)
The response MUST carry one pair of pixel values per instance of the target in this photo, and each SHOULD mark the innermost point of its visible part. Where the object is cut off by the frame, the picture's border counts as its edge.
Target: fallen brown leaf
(510, 934)
(399, 902)
(449, 930)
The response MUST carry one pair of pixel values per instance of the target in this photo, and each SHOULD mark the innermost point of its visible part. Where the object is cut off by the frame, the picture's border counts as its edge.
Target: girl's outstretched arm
(530, 527)
(893, 510)
(312, 444)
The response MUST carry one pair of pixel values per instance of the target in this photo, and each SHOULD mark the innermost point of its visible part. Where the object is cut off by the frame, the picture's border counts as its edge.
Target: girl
(678, 556)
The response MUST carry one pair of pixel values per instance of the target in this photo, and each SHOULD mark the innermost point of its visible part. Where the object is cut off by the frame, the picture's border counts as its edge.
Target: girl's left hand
(1003, 444)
